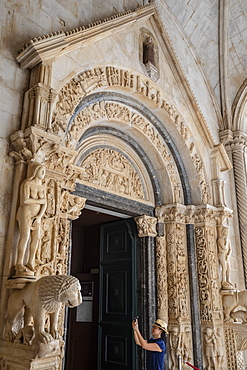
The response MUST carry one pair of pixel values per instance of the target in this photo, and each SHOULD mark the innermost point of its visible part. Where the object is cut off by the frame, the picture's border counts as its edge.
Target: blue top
(155, 359)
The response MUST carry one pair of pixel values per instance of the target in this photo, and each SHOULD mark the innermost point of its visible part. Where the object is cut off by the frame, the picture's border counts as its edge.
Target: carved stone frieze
(207, 265)
(161, 278)
(177, 271)
(107, 169)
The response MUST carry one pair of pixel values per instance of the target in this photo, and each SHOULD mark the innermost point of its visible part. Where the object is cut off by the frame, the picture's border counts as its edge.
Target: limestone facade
(113, 108)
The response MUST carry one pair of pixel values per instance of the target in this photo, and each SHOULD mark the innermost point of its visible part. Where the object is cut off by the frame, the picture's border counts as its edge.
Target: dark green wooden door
(117, 296)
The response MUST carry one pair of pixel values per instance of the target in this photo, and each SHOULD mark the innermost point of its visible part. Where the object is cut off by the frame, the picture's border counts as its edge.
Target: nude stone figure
(29, 214)
(224, 251)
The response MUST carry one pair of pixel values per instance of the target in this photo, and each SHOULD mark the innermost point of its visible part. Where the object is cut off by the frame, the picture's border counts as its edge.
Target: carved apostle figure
(219, 348)
(31, 209)
(174, 346)
(186, 345)
(224, 251)
(210, 349)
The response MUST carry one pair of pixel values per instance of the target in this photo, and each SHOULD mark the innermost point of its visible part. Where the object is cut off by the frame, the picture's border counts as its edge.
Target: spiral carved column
(241, 193)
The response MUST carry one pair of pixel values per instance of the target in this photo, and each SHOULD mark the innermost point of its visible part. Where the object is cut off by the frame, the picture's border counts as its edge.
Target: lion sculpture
(44, 296)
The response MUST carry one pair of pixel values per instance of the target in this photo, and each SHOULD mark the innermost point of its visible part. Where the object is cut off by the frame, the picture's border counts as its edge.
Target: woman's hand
(135, 325)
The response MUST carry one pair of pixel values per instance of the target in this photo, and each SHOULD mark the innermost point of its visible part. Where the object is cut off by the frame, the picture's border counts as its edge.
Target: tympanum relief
(107, 169)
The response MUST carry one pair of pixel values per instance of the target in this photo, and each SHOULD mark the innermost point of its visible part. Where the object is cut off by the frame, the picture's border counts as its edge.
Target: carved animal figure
(232, 301)
(44, 296)
(239, 316)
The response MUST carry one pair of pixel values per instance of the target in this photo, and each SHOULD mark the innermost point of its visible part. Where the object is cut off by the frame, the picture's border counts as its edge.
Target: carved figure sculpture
(186, 346)
(174, 346)
(210, 349)
(25, 335)
(219, 348)
(44, 296)
(231, 302)
(224, 251)
(29, 214)
(148, 51)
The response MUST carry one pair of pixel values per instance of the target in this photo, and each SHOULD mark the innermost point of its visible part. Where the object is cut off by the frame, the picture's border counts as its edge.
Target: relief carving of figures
(76, 204)
(178, 289)
(146, 226)
(224, 252)
(111, 170)
(186, 350)
(210, 303)
(38, 299)
(161, 279)
(210, 349)
(44, 252)
(220, 348)
(31, 209)
(174, 347)
(51, 202)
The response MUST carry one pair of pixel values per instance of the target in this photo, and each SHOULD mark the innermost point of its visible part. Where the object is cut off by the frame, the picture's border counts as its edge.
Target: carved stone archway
(108, 122)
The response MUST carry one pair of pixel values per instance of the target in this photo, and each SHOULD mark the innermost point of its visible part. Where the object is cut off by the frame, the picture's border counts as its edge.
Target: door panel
(117, 296)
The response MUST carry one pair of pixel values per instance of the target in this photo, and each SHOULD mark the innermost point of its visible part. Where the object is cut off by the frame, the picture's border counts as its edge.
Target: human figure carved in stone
(29, 215)
(148, 51)
(51, 206)
(44, 296)
(174, 346)
(210, 349)
(46, 248)
(76, 205)
(224, 251)
(219, 349)
(25, 335)
(146, 225)
(186, 345)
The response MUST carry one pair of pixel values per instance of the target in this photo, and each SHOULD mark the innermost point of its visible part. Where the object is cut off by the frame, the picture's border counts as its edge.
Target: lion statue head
(59, 289)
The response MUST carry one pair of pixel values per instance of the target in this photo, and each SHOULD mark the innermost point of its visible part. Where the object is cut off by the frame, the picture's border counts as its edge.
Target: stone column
(146, 226)
(207, 219)
(239, 167)
(174, 295)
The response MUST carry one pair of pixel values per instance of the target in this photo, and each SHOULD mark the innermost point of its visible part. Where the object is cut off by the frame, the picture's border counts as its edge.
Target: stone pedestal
(15, 356)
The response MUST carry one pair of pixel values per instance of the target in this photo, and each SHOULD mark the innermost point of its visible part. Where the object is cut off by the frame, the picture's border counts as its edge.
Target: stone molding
(224, 9)
(52, 46)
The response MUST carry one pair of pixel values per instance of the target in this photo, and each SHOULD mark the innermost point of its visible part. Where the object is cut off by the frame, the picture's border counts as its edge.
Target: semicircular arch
(128, 113)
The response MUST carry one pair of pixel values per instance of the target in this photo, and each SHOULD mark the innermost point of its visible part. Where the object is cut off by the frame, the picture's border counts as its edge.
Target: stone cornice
(54, 45)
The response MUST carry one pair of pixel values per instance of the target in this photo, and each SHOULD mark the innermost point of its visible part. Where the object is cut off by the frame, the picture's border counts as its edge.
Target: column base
(43, 356)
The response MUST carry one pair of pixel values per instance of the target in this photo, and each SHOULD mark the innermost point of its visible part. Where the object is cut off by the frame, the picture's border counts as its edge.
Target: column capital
(146, 226)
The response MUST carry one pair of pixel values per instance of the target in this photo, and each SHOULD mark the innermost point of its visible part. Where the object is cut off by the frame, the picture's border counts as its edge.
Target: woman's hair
(35, 169)
(163, 336)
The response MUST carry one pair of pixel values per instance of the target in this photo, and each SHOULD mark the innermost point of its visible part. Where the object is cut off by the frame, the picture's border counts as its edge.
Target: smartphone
(136, 318)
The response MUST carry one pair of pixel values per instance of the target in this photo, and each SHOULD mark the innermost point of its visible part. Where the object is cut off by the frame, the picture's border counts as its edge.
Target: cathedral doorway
(103, 258)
